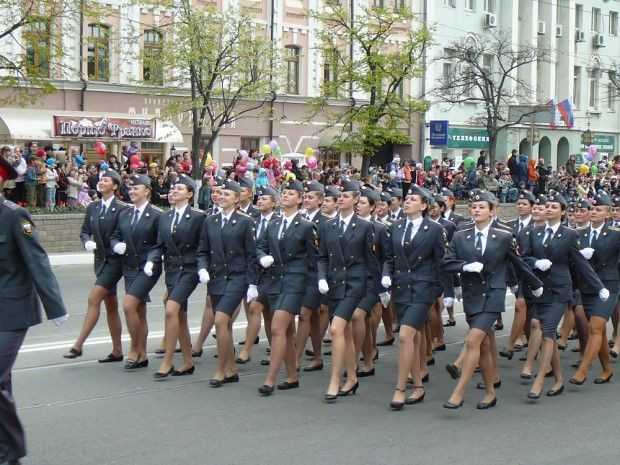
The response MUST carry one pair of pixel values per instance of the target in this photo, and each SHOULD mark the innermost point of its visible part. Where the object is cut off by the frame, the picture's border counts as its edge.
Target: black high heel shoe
(487, 405)
(555, 392)
(331, 398)
(133, 364)
(507, 353)
(351, 391)
(160, 375)
(452, 406)
(533, 396)
(397, 405)
(265, 390)
(188, 371)
(416, 400)
(576, 381)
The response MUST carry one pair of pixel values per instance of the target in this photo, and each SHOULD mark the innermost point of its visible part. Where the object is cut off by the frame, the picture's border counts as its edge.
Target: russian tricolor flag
(566, 111)
(554, 114)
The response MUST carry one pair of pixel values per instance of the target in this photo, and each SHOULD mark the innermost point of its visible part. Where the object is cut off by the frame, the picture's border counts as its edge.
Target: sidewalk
(83, 258)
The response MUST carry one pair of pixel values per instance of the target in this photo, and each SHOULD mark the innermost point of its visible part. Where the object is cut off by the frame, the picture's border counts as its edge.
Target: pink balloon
(273, 144)
(214, 166)
(140, 164)
(240, 170)
(243, 153)
(592, 150)
(99, 147)
(133, 167)
(134, 159)
(311, 162)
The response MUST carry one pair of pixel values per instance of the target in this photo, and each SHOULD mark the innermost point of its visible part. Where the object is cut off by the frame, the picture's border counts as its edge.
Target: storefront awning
(24, 124)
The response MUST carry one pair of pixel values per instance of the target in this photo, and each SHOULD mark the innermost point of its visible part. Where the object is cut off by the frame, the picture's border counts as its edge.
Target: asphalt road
(80, 412)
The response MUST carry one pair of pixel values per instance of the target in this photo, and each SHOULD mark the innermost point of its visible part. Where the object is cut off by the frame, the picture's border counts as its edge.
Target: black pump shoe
(159, 375)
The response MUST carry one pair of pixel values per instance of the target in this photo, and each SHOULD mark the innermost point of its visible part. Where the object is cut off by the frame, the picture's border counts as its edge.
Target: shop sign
(439, 133)
(86, 127)
(603, 143)
(468, 138)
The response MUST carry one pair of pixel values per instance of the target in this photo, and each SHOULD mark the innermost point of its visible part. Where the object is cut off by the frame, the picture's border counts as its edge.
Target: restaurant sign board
(87, 127)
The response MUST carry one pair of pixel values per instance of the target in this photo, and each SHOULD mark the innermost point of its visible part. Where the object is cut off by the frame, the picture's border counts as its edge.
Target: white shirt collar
(226, 217)
(107, 203)
(446, 214)
(141, 208)
(395, 213)
(526, 221)
(416, 223)
(598, 230)
(289, 219)
(367, 218)
(312, 215)
(485, 231)
(346, 220)
(266, 217)
(332, 216)
(245, 210)
(553, 228)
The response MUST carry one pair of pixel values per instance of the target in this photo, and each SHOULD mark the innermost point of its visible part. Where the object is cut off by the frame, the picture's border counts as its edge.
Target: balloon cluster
(272, 147)
(274, 171)
(135, 162)
(211, 163)
(100, 148)
(592, 151)
(133, 148)
(311, 160)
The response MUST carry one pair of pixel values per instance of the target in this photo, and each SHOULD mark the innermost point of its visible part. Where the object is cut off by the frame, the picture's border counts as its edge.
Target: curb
(71, 259)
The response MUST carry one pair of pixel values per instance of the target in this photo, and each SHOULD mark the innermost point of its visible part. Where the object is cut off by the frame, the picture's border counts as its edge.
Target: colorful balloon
(594, 169)
(309, 151)
(312, 162)
(290, 176)
(592, 150)
(100, 148)
(584, 169)
(243, 153)
(209, 159)
(266, 149)
(273, 144)
(468, 163)
(277, 151)
(287, 165)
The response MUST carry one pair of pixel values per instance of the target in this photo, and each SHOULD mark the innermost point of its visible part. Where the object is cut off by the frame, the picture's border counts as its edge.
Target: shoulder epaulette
(156, 208)
(121, 203)
(243, 214)
(9, 204)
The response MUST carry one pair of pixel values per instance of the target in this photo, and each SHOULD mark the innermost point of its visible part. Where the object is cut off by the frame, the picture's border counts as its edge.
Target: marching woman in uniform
(286, 252)
(482, 255)
(368, 314)
(602, 250)
(227, 262)
(135, 234)
(346, 258)
(177, 242)
(416, 247)
(100, 222)
(549, 251)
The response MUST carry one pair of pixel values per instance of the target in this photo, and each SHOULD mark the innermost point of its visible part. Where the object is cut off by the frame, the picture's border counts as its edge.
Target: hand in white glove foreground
(537, 292)
(386, 281)
(543, 265)
(252, 293)
(514, 289)
(458, 293)
(587, 253)
(448, 302)
(60, 320)
(120, 248)
(266, 261)
(203, 276)
(603, 294)
(148, 268)
(90, 246)
(323, 286)
(385, 298)
(475, 267)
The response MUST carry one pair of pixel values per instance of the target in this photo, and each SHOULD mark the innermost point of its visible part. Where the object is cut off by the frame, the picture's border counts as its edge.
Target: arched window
(152, 65)
(98, 52)
(593, 90)
(37, 44)
(292, 57)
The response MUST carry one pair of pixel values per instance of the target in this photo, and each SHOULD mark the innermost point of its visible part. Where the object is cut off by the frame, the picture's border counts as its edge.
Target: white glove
(448, 301)
(252, 293)
(587, 253)
(266, 261)
(603, 294)
(90, 246)
(514, 289)
(458, 293)
(386, 281)
(385, 298)
(203, 275)
(323, 286)
(475, 267)
(120, 248)
(61, 320)
(537, 292)
(148, 268)
(543, 265)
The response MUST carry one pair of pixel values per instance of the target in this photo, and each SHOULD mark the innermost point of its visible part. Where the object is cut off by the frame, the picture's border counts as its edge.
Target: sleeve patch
(27, 227)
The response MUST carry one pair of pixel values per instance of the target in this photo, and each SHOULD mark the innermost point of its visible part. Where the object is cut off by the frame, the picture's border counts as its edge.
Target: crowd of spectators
(50, 178)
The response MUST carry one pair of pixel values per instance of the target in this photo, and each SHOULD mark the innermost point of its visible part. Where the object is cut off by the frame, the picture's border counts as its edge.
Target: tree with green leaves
(222, 65)
(32, 49)
(370, 58)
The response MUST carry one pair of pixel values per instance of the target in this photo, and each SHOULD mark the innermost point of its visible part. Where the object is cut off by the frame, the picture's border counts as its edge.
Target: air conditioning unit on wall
(580, 36)
(490, 20)
(598, 40)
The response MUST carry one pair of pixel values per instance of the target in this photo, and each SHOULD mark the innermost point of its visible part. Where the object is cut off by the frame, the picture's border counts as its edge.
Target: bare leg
(358, 327)
(349, 358)
(134, 325)
(492, 352)
(568, 323)
(172, 334)
(96, 296)
(280, 327)
(472, 357)
(224, 344)
(548, 348)
(337, 328)
(208, 319)
(388, 322)
(303, 331)
(185, 341)
(253, 328)
(581, 324)
(406, 351)
(114, 323)
(593, 347)
(534, 343)
(487, 368)
(517, 323)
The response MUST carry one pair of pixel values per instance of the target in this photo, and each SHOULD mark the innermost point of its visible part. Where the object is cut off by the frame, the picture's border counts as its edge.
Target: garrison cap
(440, 199)
(557, 197)
(218, 181)
(247, 183)
(483, 196)
(187, 180)
(527, 195)
(332, 191)
(396, 192)
(385, 197)
(232, 186)
(582, 202)
(294, 185)
(541, 199)
(368, 191)
(602, 199)
(6, 170)
(111, 174)
(313, 186)
(140, 180)
(447, 192)
(349, 185)
(267, 190)
(417, 190)
(616, 201)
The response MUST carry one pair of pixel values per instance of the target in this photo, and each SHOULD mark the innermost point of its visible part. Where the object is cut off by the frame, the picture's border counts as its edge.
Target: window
(292, 69)
(152, 66)
(593, 91)
(450, 3)
(37, 44)
(98, 52)
(470, 5)
(577, 86)
(596, 19)
(329, 156)
(579, 17)
(613, 23)
(330, 73)
(489, 6)
(250, 143)
(487, 63)
(611, 96)
(378, 3)
(448, 64)
(399, 4)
